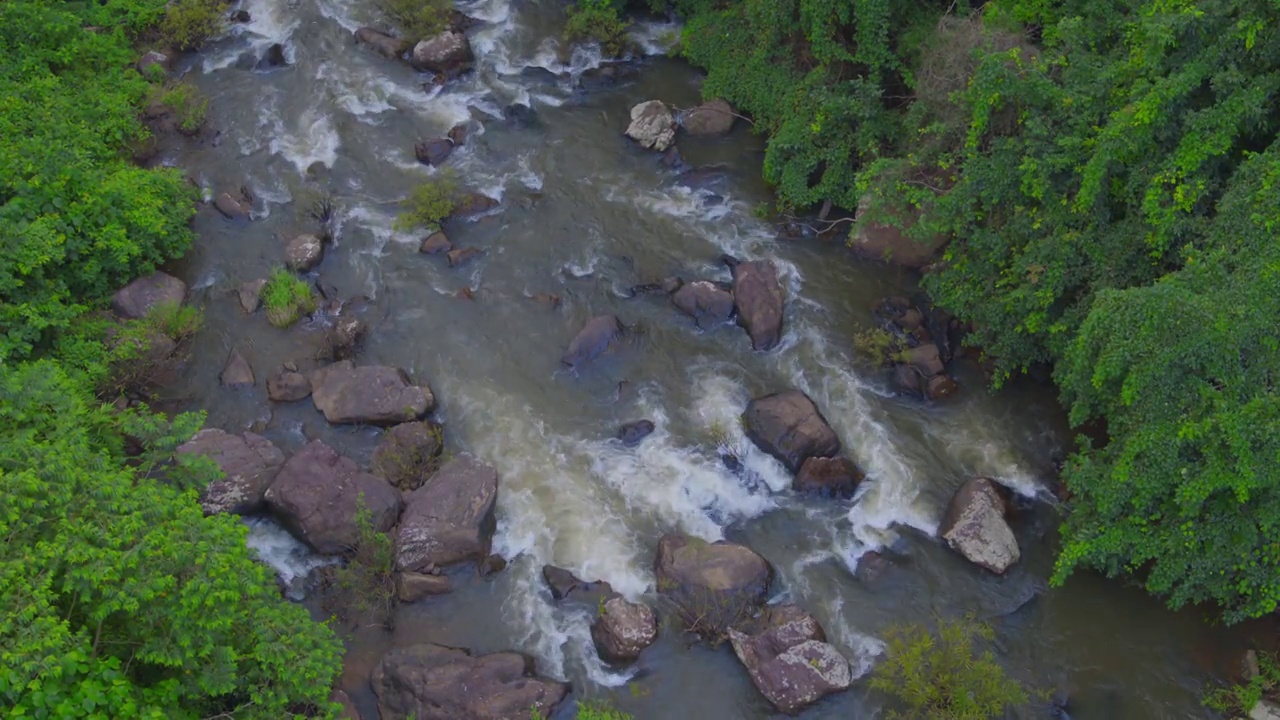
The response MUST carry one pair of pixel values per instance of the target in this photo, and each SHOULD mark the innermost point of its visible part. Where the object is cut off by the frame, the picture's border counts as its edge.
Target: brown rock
(925, 358)
(434, 682)
(412, 586)
(433, 151)
(473, 204)
(708, 304)
(349, 711)
(828, 476)
(623, 630)
(877, 241)
(287, 386)
(458, 134)
(303, 253)
(450, 519)
(461, 256)
(436, 243)
(248, 463)
(975, 526)
(714, 117)
(250, 294)
(712, 585)
(237, 374)
(447, 53)
(759, 299)
(492, 564)
(231, 207)
(139, 297)
(791, 663)
(941, 387)
(788, 426)
(373, 394)
(596, 337)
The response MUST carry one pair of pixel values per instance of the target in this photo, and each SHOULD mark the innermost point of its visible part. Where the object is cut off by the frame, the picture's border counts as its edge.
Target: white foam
(311, 138)
(289, 557)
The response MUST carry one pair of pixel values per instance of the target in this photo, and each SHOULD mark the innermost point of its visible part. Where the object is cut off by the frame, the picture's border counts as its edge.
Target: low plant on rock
(706, 613)
(597, 20)
(188, 24)
(429, 203)
(417, 19)
(366, 584)
(1242, 698)
(878, 345)
(286, 297)
(600, 711)
(943, 676)
(186, 103)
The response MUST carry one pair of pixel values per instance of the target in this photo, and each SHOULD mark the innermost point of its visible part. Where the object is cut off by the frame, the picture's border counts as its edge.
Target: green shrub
(189, 24)
(286, 297)
(176, 320)
(942, 676)
(187, 104)
(429, 203)
(878, 345)
(417, 19)
(600, 711)
(366, 582)
(1241, 699)
(597, 20)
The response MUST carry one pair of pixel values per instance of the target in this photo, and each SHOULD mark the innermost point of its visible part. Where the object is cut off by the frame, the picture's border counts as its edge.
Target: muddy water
(585, 216)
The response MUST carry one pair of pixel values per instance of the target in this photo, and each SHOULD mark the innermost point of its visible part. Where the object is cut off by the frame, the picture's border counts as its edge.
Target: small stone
(632, 433)
(250, 294)
(237, 374)
(434, 151)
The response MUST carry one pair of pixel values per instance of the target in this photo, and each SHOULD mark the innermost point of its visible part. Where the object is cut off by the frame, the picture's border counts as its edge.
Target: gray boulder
(623, 629)
(712, 586)
(385, 45)
(788, 426)
(316, 495)
(652, 125)
(139, 297)
(759, 299)
(596, 337)
(714, 117)
(434, 682)
(373, 394)
(707, 303)
(303, 253)
(975, 526)
(447, 53)
(790, 662)
(450, 519)
(248, 462)
(409, 453)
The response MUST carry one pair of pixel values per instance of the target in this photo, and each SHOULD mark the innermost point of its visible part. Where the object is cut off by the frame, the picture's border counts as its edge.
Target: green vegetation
(189, 24)
(366, 583)
(1242, 698)
(600, 711)
(1106, 174)
(187, 104)
(417, 19)
(943, 676)
(430, 203)
(286, 297)
(598, 20)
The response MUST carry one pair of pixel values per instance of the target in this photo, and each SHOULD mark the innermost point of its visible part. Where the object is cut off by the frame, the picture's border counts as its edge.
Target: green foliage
(942, 676)
(123, 599)
(600, 711)
(286, 297)
(1242, 698)
(598, 20)
(187, 104)
(189, 24)
(417, 19)
(366, 583)
(429, 203)
(878, 345)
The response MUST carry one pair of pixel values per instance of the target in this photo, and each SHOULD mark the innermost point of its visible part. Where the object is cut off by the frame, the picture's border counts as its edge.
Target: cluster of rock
(653, 124)
(448, 54)
(928, 338)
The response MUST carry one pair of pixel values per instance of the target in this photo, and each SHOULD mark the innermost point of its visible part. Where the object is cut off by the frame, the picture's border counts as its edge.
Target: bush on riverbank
(597, 20)
(189, 24)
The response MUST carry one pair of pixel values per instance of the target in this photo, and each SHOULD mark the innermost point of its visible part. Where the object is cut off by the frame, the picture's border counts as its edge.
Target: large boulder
(707, 303)
(450, 519)
(593, 340)
(828, 476)
(385, 45)
(652, 125)
(975, 526)
(447, 53)
(788, 426)
(303, 253)
(713, 117)
(373, 394)
(623, 629)
(711, 585)
(790, 662)
(434, 682)
(248, 462)
(317, 493)
(758, 296)
(889, 243)
(139, 297)
(408, 453)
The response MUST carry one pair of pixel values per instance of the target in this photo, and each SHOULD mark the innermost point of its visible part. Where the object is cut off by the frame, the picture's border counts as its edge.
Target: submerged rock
(975, 526)
(652, 125)
(596, 337)
(413, 586)
(434, 682)
(237, 374)
(448, 53)
(714, 117)
(249, 463)
(758, 297)
(790, 662)
(461, 256)
(385, 45)
(828, 476)
(623, 630)
(788, 426)
(434, 151)
(708, 304)
(632, 433)
(250, 294)
(450, 519)
(152, 291)
(473, 204)
(274, 57)
(408, 454)
(373, 394)
(712, 585)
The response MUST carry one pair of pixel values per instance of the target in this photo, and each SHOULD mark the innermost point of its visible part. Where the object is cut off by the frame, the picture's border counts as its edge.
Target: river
(586, 215)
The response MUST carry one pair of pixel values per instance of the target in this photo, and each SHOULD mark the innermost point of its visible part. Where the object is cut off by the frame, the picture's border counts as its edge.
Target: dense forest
(1105, 173)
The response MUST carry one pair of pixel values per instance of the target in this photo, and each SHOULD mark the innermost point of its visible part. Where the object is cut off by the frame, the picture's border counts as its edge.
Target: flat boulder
(374, 394)
(448, 53)
(652, 125)
(714, 117)
(759, 299)
(623, 629)
(287, 386)
(711, 585)
(450, 519)
(828, 476)
(303, 253)
(596, 337)
(317, 493)
(434, 682)
(408, 453)
(707, 303)
(788, 426)
(790, 662)
(248, 462)
(975, 526)
(139, 297)
(564, 585)
(385, 45)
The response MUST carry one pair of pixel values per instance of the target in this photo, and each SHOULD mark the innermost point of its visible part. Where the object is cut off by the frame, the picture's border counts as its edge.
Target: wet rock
(434, 151)
(458, 134)
(248, 462)
(461, 256)
(240, 16)
(924, 358)
(519, 115)
(652, 125)
(791, 663)
(461, 22)
(250, 294)
(450, 519)
(712, 585)
(385, 45)
(623, 630)
(373, 394)
(473, 204)
(434, 682)
(232, 207)
(153, 59)
(708, 304)
(448, 53)
(941, 387)
(316, 494)
(413, 586)
(409, 453)
(561, 581)
(597, 336)
(493, 564)
(975, 526)
(714, 117)
(146, 293)
(345, 337)
(303, 253)
(539, 75)
(287, 386)
(665, 286)
(436, 243)
(886, 242)
(674, 160)
(606, 76)
(632, 433)
(828, 476)
(788, 426)
(702, 178)
(274, 57)
(758, 298)
(237, 373)
(465, 293)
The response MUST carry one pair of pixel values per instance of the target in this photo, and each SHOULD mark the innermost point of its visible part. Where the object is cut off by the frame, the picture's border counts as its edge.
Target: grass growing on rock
(600, 711)
(417, 19)
(1241, 699)
(286, 297)
(429, 203)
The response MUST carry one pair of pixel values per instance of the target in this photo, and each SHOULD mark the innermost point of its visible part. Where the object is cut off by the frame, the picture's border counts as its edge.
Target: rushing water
(585, 215)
